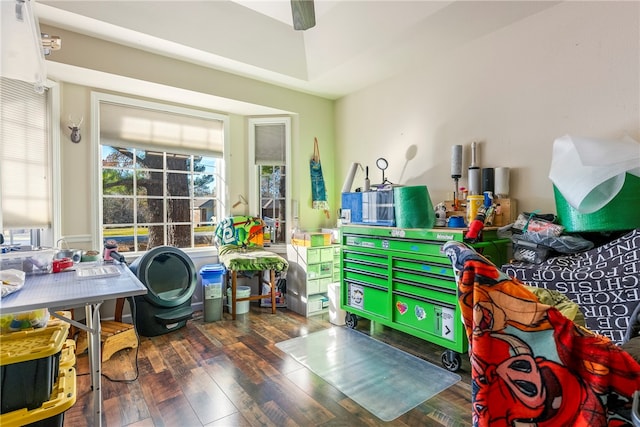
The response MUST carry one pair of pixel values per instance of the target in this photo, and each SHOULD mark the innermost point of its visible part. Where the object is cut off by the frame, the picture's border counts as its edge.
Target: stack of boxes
(37, 376)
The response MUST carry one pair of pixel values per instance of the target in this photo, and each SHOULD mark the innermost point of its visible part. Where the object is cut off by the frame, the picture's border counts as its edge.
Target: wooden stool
(114, 335)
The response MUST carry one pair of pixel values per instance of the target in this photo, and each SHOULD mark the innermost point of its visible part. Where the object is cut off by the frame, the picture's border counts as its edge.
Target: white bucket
(336, 314)
(242, 307)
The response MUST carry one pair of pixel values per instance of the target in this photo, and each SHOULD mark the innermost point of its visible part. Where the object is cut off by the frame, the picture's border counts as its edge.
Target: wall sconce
(75, 130)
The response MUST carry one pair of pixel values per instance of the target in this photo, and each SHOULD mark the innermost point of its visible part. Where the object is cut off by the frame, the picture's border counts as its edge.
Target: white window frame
(222, 175)
(254, 176)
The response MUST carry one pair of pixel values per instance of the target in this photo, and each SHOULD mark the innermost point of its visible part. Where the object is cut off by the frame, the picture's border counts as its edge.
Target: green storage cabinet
(400, 278)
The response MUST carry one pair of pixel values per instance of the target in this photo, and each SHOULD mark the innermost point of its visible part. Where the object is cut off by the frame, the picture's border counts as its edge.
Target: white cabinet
(311, 270)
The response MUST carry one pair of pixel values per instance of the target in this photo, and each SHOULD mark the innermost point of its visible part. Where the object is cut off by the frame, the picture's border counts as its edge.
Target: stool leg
(272, 275)
(234, 283)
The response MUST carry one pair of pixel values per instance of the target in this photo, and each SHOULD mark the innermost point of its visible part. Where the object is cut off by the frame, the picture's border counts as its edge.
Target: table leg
(272, 278)
(92, 314)
(234, 284)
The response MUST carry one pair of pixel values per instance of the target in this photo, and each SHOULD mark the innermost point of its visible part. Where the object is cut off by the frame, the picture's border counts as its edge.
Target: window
(27, 170)
(162, 174)
(269, 143)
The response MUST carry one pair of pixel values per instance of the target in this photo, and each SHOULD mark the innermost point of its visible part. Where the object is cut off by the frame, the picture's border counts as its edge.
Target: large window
(269, 143)
(162, 174)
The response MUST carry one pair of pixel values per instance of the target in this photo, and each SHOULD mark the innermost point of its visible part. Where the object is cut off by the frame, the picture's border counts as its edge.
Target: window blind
(270, 144)
(25, 169)
(155, 129)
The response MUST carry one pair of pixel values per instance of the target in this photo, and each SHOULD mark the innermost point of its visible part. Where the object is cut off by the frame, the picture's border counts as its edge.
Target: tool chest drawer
(402, 279)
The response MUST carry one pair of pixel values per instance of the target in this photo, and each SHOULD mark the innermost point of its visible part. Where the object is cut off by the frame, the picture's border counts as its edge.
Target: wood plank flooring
(230, 373)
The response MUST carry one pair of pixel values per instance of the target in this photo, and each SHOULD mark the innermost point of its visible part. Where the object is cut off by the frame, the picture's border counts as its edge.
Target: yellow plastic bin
(51, 412)
(29, 365)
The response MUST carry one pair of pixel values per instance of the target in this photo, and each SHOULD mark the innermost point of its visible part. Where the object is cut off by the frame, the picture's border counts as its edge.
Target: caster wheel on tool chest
(451, 360)
(351, 320)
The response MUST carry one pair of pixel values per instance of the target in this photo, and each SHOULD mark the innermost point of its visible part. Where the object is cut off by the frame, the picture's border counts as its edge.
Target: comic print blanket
(531, 365)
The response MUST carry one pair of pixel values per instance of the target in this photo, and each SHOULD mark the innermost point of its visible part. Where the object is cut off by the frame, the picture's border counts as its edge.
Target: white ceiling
(354, 43)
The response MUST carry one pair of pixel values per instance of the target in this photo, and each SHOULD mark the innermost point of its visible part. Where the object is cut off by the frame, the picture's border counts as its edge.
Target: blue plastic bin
(212, 279)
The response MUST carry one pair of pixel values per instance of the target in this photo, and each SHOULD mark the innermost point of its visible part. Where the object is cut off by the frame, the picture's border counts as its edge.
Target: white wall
(571, 69)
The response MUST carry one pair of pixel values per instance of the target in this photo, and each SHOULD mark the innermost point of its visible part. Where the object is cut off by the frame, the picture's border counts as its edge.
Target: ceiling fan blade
(304, 15)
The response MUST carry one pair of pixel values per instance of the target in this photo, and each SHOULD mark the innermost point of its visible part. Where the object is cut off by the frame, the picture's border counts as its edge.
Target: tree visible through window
(273, 201)
(153, 198)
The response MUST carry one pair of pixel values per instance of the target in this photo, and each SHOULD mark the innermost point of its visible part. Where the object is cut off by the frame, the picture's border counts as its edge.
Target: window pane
(265, 185)
(117, 182)
(141, 238)
(117, 210)
(150, 183)
(179, 236)
(149, 160)
(116, 157)
(178, 210)
(203, 235)
(150, 210)
(178, 184)
(204, 211)
(204, 185)
(205, 165)
(178, 162)
(123, 236)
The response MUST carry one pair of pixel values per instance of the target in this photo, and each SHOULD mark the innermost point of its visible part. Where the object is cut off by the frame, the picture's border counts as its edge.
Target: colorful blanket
(245, 231)
(250, 259)
(531, 365)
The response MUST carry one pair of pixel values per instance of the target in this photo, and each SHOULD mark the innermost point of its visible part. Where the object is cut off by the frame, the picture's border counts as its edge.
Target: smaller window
(269, 142)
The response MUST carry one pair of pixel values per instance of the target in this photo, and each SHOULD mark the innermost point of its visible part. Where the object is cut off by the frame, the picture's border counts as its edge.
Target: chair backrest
(240, 231)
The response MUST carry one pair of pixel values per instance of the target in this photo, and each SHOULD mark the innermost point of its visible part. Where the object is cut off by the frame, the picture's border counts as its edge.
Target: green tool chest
(400, 278)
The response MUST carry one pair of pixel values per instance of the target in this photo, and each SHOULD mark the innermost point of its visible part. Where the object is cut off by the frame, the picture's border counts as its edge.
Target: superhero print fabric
(530, 364)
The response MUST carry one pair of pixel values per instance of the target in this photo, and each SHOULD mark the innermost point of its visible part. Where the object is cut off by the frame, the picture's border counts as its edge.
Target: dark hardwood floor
(230, 373)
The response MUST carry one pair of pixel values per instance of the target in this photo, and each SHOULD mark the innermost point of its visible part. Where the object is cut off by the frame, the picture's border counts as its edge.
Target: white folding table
(65, 290)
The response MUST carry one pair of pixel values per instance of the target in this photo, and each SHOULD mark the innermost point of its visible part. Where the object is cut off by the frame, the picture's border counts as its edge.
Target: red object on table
(61, 264)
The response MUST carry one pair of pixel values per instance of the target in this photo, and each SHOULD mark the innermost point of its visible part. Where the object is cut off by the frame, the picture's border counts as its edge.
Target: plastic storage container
(242, 307)
(28, 261)
(317, 303)
(29, 365)
(336, 314)
(211, 276)
(51, 412)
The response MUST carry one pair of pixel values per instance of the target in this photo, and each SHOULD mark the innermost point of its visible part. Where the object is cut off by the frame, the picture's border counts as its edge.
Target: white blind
(270, 144)
(154, 129)
(25, 170)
